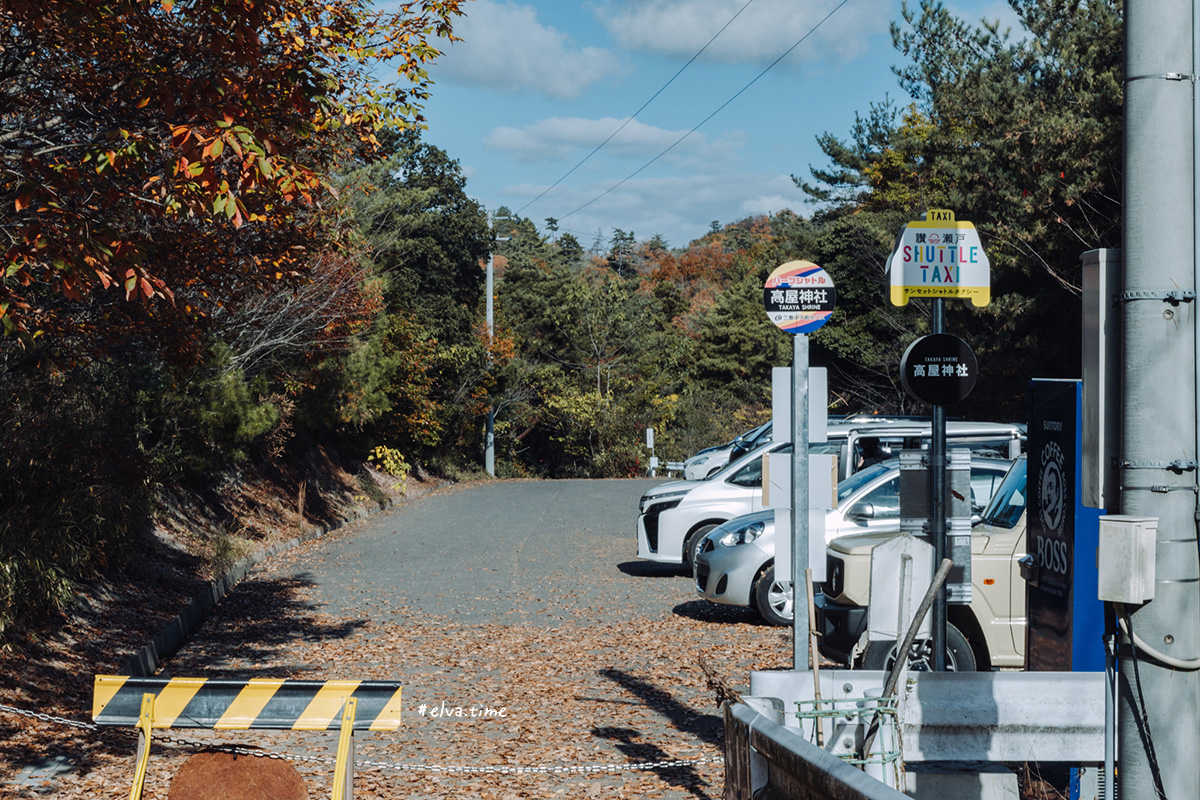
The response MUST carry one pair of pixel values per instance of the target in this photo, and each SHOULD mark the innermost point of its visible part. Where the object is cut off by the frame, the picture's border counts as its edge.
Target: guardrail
(766, 761)
(954, 728)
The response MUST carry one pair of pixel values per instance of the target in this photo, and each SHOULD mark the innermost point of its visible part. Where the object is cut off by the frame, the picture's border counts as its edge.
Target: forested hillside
(225, 253)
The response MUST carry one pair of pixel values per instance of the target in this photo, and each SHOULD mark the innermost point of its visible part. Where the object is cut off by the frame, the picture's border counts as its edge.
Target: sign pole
(937, 503)
(799, 298)
(939, 257)
(800, 655)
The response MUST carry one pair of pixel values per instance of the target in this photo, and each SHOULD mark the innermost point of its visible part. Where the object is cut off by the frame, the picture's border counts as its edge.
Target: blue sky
(536, 85)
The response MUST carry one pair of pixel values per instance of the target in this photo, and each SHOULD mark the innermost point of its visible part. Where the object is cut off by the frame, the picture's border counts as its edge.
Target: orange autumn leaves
(156, 146)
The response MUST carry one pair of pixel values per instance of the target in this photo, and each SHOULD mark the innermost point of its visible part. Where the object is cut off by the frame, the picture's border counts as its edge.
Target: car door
(875, 509)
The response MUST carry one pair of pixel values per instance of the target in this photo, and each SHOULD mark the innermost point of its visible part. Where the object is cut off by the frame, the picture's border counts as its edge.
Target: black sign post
(937, 258)
(940, 369)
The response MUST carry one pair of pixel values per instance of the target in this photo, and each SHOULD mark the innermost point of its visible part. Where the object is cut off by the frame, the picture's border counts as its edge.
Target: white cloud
(563, 137)
(760, 34)
(678, 208)
(504, 45)
(771, 203)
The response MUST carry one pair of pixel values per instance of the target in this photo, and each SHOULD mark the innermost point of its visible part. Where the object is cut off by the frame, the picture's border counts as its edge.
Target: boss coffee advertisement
(1050, 521)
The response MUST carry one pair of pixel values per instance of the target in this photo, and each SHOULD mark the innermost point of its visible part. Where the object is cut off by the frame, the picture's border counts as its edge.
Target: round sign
(799, 297)
(939, 369)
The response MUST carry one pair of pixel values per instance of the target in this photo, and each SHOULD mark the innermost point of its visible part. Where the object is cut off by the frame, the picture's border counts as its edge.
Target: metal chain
(490, 769)
(87, 726)
(639, 766)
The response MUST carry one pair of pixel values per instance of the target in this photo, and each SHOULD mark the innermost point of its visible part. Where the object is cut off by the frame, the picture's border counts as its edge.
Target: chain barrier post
(343, 772)
(145, 726)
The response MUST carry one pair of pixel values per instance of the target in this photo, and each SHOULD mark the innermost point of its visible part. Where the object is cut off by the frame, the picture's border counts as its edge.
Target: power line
(739, 93)
(639, 111)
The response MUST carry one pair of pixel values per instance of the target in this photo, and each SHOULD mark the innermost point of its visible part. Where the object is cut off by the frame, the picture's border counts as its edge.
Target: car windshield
(1008, 504)
(863, 477)
(734, 465)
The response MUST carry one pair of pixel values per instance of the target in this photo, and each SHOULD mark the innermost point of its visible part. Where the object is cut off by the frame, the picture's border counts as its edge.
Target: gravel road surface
(525, 632)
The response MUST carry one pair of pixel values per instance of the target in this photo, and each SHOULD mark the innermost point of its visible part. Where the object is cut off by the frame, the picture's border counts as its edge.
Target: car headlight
(743, 535)
(648, 500)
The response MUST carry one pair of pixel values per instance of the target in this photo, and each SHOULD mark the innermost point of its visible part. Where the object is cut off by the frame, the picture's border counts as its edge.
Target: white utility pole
(1159, 696)
(489, 451)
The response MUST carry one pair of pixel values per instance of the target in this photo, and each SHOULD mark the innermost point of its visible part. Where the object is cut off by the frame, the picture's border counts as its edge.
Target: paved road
(540, 551)
(523, 597)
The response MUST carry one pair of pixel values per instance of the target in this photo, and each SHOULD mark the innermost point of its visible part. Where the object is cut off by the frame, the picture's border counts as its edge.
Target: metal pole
(489, 451)
(1110, 708)
(1158, 707)
(799, 501)
(937, 503)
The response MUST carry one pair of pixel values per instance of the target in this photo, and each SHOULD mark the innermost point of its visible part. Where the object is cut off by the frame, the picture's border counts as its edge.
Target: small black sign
(939, 369)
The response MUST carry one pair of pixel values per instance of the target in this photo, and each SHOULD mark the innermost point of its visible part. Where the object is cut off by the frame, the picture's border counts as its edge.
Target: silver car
(673, 517)
(735, 562)
(711, 459)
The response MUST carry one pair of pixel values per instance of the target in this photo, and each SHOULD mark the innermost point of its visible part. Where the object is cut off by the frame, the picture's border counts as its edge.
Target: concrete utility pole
(489, 448)
(1159, 706)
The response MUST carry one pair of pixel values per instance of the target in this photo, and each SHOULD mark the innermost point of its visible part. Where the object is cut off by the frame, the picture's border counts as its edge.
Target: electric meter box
(1125, 559)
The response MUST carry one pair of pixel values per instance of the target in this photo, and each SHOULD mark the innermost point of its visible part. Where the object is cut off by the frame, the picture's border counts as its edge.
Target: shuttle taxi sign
(799, 297)
(939, 257)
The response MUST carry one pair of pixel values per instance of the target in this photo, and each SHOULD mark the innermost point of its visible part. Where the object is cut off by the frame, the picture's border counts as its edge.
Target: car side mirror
(1029, 569)
(861, 513)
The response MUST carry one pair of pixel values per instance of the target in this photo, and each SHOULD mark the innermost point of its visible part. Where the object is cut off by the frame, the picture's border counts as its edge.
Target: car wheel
(959, 657)
(691, 545)
(773, 599)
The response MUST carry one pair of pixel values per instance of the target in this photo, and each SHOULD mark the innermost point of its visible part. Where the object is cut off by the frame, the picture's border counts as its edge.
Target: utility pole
(1158, 704)
(489, 451)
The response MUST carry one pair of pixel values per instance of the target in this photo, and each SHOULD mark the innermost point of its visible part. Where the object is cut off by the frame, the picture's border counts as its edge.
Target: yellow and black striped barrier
(243, 705)
(150, 703)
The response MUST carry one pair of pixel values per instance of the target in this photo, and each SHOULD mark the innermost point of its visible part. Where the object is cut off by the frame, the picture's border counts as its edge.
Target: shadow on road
(684, 777)
(704, 611)
(253, 624)
(651, 569)
(706, 727)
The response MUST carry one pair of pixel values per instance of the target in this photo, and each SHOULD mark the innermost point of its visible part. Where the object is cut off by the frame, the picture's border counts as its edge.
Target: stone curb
(147, 661)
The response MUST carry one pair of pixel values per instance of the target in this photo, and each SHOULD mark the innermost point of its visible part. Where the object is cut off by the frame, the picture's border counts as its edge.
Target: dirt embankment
(195, 537)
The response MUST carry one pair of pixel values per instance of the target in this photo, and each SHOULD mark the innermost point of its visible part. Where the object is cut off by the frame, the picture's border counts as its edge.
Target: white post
(799, 501)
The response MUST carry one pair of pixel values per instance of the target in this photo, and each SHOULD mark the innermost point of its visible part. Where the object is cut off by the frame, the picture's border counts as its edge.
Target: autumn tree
(176, 268)
(171, 150)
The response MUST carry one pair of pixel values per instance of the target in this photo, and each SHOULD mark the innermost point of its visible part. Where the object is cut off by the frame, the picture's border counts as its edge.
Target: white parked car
(673, 517)
(711, 459)
(735, 562)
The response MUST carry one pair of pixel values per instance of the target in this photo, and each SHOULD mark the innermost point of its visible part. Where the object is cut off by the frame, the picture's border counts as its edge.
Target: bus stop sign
(799, 297)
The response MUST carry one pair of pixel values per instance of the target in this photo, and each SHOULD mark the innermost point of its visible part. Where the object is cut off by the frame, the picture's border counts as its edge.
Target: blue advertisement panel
(1065, 619)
